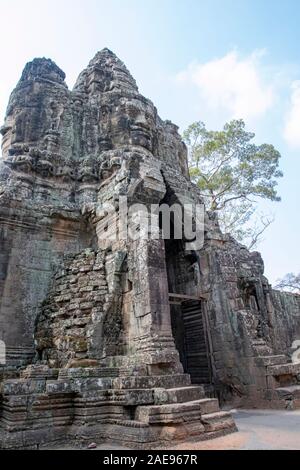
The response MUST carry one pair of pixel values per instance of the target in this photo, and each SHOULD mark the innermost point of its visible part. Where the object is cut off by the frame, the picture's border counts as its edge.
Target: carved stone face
(7, 131)
(14, 131)
(35, 108)
(133, 122)
(26, 122)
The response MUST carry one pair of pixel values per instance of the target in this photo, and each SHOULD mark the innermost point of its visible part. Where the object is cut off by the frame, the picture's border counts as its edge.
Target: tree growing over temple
(233, 174)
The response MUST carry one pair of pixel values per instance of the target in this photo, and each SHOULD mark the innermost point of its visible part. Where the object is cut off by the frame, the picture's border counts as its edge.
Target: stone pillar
(151, 310)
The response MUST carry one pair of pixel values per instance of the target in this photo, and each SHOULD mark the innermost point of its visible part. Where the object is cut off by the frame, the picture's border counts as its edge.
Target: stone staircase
(282, 381)
(285, 381)
(178, 414)
(105, 405)
(157, 413)
(199, 416)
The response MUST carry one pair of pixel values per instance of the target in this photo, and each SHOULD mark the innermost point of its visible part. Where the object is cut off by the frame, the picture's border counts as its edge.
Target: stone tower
(109, 336)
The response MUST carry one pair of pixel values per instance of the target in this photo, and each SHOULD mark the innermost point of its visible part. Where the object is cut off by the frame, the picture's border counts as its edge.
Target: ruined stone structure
(132, 340)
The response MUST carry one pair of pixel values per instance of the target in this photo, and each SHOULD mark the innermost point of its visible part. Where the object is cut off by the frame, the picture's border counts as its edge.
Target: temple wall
(32, 249)
(248, 320)
(285, 320)
(70, 323)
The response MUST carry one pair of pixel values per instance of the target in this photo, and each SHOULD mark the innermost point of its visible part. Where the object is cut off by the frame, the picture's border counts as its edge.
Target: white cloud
(232, 84)
(292, 123)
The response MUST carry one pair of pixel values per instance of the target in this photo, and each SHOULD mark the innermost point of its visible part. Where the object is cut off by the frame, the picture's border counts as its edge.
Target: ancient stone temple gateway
(135, 341)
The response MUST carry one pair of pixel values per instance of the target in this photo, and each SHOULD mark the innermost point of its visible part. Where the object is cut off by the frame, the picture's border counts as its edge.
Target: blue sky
(197, 60)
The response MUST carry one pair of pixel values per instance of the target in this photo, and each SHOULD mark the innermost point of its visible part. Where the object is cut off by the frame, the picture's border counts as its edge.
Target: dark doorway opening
(190, 327)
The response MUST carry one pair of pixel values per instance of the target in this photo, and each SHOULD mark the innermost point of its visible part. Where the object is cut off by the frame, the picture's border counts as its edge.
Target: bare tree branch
(258, 234)
(290, 283)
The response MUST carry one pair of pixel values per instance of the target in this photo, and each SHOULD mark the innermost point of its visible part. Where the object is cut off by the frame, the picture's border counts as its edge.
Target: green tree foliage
(233, 174)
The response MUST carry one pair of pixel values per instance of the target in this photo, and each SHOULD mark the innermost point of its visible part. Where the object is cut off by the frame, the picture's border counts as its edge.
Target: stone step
(207, 405)
(126, 423)
(261, 348)
(177, 412)
(98, 372)
(283, 369)
(153, 381)
(178, 395)
(291, 392)
(39, 372)
(271, 360)
(125, 378)
(288, 397)
(218, 421)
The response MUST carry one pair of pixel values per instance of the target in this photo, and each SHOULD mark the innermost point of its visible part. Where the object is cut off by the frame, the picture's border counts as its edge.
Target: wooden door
(197, 362)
